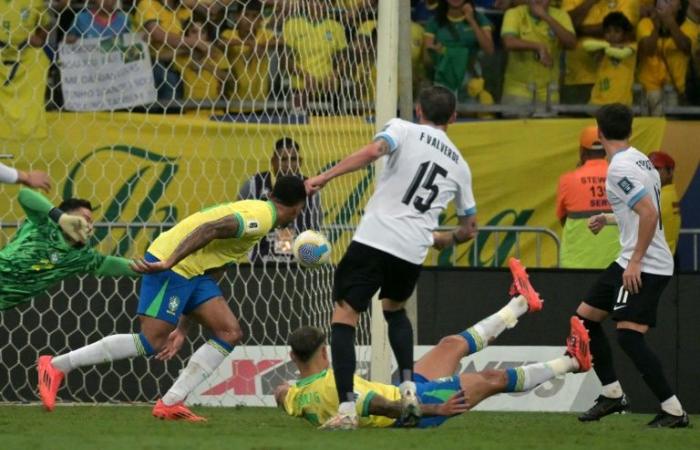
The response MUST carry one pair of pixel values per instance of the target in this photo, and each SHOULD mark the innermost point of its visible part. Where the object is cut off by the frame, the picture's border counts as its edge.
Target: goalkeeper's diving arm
(38, 208)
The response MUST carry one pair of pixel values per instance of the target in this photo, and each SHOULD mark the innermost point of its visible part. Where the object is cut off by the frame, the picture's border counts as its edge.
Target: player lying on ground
(438, 388)
(49, 247)
(185, 257)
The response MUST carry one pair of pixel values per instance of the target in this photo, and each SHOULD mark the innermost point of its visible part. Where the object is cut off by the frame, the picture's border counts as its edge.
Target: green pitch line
(133, 428)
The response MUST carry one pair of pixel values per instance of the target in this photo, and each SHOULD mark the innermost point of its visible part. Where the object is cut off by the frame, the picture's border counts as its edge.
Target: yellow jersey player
(179, 266)
(442, 393)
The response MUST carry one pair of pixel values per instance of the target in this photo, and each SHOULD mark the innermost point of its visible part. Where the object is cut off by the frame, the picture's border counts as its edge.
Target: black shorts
(364, 270)
(609, 295)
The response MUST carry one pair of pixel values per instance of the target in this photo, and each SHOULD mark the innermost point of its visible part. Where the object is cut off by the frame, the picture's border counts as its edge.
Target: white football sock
(672, 406)
(492, 326)
(612, 390)
(202, 363)
(562, 366)
(347, 408)
(534, 375)
(110, 348)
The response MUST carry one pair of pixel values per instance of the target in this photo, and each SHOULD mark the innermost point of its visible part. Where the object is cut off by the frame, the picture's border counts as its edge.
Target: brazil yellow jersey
(315, 399)
(199, 81)
(170, 20)
(523, 67)
(314, 45)
(670, 215)
(581, 65)
(18, 21)
(255, 219)
(669, 64)
(614, 79)
(251, 69)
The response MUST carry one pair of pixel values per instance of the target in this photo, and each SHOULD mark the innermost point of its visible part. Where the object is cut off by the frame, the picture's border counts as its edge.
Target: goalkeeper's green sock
(481, 334)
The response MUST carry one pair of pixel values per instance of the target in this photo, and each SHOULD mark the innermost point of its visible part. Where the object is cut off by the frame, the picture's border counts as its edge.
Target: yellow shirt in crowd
(670, 215)
(168, 19)
(314, 45)
(581, 66)
(669, 65)
(255, 219)
(18, 21)
(199, 81)
(614, 79)
(250, 69)
(316, 399)
(523, 67)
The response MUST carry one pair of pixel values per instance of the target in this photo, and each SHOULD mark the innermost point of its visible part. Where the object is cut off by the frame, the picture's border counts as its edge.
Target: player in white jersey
(423, 171)
(33, 179)
(629, 290)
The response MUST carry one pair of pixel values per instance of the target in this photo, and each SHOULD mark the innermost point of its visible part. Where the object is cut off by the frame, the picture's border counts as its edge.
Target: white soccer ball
(311, 249)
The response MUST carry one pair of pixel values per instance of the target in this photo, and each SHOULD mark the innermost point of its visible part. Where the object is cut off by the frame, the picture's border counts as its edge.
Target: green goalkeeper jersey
(39, 256)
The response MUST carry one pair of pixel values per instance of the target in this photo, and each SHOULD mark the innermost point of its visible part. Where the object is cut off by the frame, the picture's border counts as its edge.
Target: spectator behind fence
(99, 19)
(582, 66)
(315, 42)
(581, 195)
(692, 82)
(361, 69)
(204, 69)
(23, 68)
(162, 22)
(616, 56)
(277, 246)
(665, 43)
(248, 46)
(534, 34)
(453, 38)
(367, 29)
(669, 203)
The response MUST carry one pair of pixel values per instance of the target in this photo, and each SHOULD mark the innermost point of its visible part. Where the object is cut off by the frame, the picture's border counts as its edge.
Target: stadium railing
(694, 233)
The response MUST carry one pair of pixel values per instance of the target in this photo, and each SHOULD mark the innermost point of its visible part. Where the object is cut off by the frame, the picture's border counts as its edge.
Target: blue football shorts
(167, 295)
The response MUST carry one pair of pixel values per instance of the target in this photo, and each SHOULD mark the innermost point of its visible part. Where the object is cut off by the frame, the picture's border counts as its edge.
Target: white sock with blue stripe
(110, 348)
(528, 377)
(202, 363)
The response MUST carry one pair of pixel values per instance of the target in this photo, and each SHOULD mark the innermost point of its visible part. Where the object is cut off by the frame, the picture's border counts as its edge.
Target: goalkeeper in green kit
(50, 246)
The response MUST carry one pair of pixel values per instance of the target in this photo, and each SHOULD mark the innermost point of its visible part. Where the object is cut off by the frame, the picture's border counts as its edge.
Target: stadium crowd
(509, 52)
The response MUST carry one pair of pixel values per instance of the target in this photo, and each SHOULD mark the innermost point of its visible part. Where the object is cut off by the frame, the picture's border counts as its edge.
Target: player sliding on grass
(441, 392)
(49, 247)
(185, 256)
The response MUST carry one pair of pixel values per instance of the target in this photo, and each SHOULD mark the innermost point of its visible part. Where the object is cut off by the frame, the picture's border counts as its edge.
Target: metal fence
(694, 234)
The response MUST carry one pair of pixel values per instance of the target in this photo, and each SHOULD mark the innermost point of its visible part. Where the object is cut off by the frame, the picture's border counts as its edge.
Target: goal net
(153, 110)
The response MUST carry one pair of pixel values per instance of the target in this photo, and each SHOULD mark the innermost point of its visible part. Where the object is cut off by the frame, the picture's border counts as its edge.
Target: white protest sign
(106, 74)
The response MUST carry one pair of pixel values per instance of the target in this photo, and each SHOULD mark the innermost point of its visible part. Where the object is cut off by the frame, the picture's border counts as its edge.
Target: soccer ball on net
(311, 249)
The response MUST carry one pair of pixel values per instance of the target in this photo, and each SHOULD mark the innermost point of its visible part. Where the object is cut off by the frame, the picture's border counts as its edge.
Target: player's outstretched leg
(482, 385)
(52, 370)
(217, 317)
(443, 359)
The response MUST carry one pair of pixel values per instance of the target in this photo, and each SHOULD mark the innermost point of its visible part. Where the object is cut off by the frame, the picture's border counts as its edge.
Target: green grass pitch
(132, 428)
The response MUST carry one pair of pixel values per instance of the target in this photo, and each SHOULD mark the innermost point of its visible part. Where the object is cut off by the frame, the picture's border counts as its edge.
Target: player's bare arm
(648, 221)
(597, 222)
(176, 339)
(381, 406)
(358, 160)
(224, 228)
(465, 231)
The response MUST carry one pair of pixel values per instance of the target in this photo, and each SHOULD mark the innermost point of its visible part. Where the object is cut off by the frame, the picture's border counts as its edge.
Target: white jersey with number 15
(422, 173)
